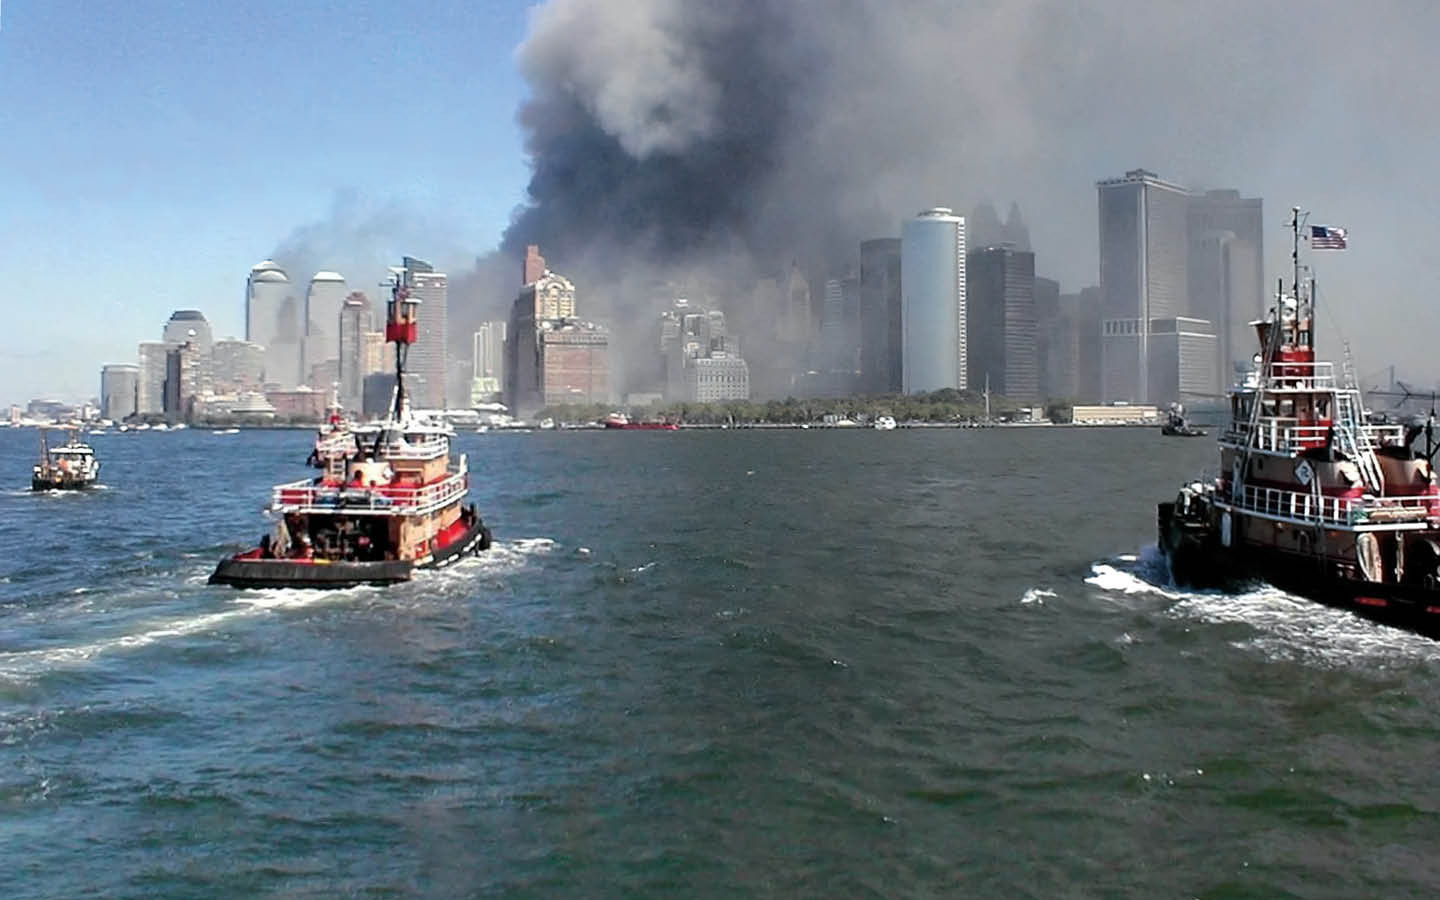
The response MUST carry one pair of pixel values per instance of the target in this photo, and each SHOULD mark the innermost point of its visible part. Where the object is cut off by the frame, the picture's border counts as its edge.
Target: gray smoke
(678, 135)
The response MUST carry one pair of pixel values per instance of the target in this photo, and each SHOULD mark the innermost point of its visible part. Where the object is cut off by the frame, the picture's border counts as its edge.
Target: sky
(157, 150)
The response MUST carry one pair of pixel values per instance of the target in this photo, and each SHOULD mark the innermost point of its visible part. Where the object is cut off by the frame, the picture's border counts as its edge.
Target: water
(697, 664)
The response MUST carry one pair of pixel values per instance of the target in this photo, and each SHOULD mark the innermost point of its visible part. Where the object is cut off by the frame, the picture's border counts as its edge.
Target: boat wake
(25, 665)
(1285, 627)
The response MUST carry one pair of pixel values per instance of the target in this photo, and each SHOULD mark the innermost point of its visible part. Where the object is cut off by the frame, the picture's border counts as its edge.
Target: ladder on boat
(1350, 428)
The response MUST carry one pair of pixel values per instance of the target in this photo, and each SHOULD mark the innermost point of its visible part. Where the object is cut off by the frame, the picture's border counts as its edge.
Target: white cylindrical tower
(932, 305)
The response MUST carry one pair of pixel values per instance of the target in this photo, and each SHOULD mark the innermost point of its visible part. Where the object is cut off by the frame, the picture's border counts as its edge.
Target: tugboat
(1176, 426)
(72, 466)
(622, 421)
(387, 501)
(1311, 497)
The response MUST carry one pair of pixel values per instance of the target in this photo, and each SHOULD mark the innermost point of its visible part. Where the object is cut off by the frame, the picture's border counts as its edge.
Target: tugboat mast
(401, 329)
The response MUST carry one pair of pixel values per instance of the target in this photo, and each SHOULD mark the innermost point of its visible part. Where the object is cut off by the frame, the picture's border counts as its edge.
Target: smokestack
(534, 264)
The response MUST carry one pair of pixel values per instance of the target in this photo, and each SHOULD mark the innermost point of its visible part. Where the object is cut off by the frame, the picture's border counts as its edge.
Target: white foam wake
(1286, 627)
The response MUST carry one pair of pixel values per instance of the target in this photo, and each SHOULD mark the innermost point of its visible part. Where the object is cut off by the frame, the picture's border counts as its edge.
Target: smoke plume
(675, 136)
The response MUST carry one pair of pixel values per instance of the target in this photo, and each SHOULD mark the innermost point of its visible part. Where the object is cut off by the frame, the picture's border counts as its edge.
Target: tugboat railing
(1272, 433)
(1302, 376)
(1342, 511)
(309, 497)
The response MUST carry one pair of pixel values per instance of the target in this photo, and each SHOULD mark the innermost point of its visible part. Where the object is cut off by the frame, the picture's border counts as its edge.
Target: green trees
(940, 407)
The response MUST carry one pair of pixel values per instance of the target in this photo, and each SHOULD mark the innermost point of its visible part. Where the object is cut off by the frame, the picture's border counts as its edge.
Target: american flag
(1326, 237)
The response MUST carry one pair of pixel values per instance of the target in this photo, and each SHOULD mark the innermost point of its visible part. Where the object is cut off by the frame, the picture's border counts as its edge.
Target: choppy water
(697, 664)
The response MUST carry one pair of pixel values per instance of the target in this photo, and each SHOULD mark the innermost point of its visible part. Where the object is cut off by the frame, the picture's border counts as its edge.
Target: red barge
(388, 500)
(622, 421)
(1310, 496)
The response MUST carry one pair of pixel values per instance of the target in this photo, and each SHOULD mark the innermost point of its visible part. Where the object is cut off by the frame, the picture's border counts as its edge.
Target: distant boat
(885, 423)
(622, 421)
(226, 431)
(69, 467)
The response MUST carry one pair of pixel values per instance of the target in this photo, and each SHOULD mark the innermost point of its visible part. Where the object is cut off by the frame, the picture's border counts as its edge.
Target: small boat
(622, 421)
(885, 423)
(71, 466)
(1176, 426)
(226, 431)
(1311, 496)
(388, 500)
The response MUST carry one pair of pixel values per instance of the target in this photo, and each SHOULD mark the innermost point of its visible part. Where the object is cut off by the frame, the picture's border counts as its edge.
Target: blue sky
(154, 151)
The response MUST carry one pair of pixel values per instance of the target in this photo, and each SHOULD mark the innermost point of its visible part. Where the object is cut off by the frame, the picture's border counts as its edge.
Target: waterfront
(780, 663)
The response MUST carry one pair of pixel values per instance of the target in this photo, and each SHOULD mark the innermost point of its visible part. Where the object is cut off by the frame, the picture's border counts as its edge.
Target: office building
(150, 390)
(354, 323)
(880, 317)
(188, 326)
(1227, 277)
(119, 387)
(552, 357)
(324, 301)
(275, 321)
(237, 366)
(932, 289)
(700, 359)
(487, 377)
(427, 357)
(1000, 322)
(1144, 240)
(1183, 360)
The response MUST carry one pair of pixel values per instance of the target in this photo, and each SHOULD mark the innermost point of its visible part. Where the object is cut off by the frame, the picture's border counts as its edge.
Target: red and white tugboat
(1310, 497)
(387, 500)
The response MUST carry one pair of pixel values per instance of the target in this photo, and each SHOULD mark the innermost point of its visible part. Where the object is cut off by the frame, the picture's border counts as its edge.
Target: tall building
(1183, 360)
(1000, 322)
(184, 365)
(932, 286)
(237, 366)
(150, 391)
(272, 319)
(324, 300)
(1144, 240)
(119, 385)
(427, 357)
(797, 323)
(880, 317)
(840, 326)
(190, 326)
(551, 357)
(487, 376)
(1050, 341)
(1227, 271)
(354, 323)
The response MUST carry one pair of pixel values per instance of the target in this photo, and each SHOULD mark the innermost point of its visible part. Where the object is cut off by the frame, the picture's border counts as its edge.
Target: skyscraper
(271, 319)
(354, 322)
(119, 385)
(323, 301)
(190, 326)
(550, 356)
(1000, 321)
(932, 289)
(880, 344)
(488, 374)
(427, 357)
(1227, 277)
(150, 391)
(237, 366)
(1144, 240)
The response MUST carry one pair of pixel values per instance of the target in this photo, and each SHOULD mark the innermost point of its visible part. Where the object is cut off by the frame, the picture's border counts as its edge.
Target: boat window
(1322, 407)
(1287, 407)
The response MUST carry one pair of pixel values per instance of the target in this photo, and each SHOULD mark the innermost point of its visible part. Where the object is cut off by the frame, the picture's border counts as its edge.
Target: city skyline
(183, 196)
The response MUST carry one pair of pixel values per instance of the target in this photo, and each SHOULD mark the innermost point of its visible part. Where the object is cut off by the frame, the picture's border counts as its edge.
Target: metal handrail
(306, 496)
(1337, 510)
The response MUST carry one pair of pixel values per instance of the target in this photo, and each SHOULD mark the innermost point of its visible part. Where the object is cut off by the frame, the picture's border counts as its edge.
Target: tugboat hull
(1197, 559)
(63, 484)
(252, 571)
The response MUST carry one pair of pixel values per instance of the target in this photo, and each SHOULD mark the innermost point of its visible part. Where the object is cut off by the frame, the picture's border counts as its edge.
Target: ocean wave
(1286, 626)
